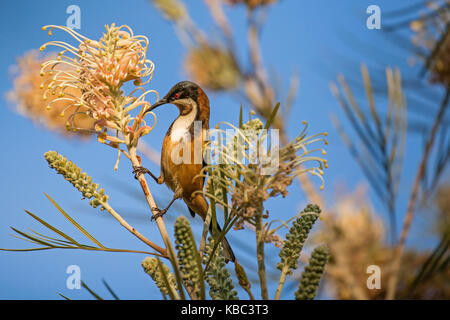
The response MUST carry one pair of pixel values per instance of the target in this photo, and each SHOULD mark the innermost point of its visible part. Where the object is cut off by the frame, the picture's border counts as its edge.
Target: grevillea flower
(186, 247)
(80, 180)
(252, 175)
(98, 69)
(217, 275)
(296, 237)
(309, 282)
(213, 67)
(153, 269)
(26, 97)
(172, 9)
(355, 235)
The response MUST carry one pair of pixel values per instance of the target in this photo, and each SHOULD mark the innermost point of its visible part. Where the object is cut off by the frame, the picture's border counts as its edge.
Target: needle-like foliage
(380, 143)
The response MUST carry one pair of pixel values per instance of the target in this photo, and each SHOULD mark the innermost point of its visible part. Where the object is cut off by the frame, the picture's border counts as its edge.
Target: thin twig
(127, 226)
(159, 220)
(281, 282)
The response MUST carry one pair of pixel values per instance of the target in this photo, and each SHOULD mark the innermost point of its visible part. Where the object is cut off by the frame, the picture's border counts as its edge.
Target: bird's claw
(139, 170)
(160, 213)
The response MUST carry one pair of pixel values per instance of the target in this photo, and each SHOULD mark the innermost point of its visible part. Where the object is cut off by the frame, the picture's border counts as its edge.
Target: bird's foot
(160, 213)
(139, 170)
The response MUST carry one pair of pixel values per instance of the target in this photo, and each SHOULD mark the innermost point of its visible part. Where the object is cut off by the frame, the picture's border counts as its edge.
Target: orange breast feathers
(181, 163)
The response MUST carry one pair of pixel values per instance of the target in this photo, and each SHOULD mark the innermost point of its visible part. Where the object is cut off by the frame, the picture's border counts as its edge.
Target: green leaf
(24, 250)
(241, 122)
(115, 296)
(64, 296)
(33, 239)
(49, 226)
(74, 222)
(272, 116)
(96, 296)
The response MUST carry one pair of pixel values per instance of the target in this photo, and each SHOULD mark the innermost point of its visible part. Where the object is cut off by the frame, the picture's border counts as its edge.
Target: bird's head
(188, 97)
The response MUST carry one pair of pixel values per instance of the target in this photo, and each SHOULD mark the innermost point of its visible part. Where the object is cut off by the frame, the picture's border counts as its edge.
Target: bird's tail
(202, 209)
(227, 251)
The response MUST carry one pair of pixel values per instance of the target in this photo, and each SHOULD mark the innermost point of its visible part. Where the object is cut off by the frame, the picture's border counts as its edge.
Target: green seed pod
(78, 179)
(186, 253)
(217, 275)
(151, 267)
(310, 279)
(296, 237)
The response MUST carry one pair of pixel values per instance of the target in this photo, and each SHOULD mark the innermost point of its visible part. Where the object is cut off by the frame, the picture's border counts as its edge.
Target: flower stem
(151, 202)
(133, 230)
(159, 221)
(260, 256)
(281, 282)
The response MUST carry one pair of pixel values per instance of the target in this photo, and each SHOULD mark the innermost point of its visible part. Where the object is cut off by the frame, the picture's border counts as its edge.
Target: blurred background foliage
(385, 108)
(357, 238)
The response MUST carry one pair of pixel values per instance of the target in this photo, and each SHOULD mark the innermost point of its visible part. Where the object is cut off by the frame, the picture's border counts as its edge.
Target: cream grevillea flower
(98, 69)
(252, 175)
(26, 96)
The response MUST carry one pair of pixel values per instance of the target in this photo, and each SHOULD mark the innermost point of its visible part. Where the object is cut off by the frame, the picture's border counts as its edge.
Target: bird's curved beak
(157, 104)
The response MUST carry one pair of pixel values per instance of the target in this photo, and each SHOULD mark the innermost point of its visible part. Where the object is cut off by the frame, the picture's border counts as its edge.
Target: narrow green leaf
(96, 296)
(115, 296)
(241, 121)
(272, 116)
(74, 222)
(51, 239)
(32, 239)
(24, 250)
(60, 294)
(166, 280)
(370, 99)
(49, 226)
(54, 241)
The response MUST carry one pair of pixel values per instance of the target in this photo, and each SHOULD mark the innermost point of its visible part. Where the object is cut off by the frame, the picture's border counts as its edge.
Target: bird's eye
(177, 95)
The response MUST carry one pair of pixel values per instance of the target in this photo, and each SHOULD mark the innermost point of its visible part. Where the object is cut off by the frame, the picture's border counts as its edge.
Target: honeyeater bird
(182, 151)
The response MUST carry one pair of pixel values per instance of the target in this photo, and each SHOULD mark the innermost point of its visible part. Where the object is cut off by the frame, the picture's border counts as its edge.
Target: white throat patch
(181, 125)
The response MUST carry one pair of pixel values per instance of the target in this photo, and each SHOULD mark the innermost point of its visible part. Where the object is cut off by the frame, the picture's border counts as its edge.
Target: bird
(185, 139)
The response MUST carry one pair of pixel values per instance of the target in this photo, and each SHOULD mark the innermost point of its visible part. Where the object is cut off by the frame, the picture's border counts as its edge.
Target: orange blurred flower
(252, 4)
(27, 98)
(212, 67)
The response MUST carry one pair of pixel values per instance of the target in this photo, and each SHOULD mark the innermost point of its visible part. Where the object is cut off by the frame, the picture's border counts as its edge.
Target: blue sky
(311, 37)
